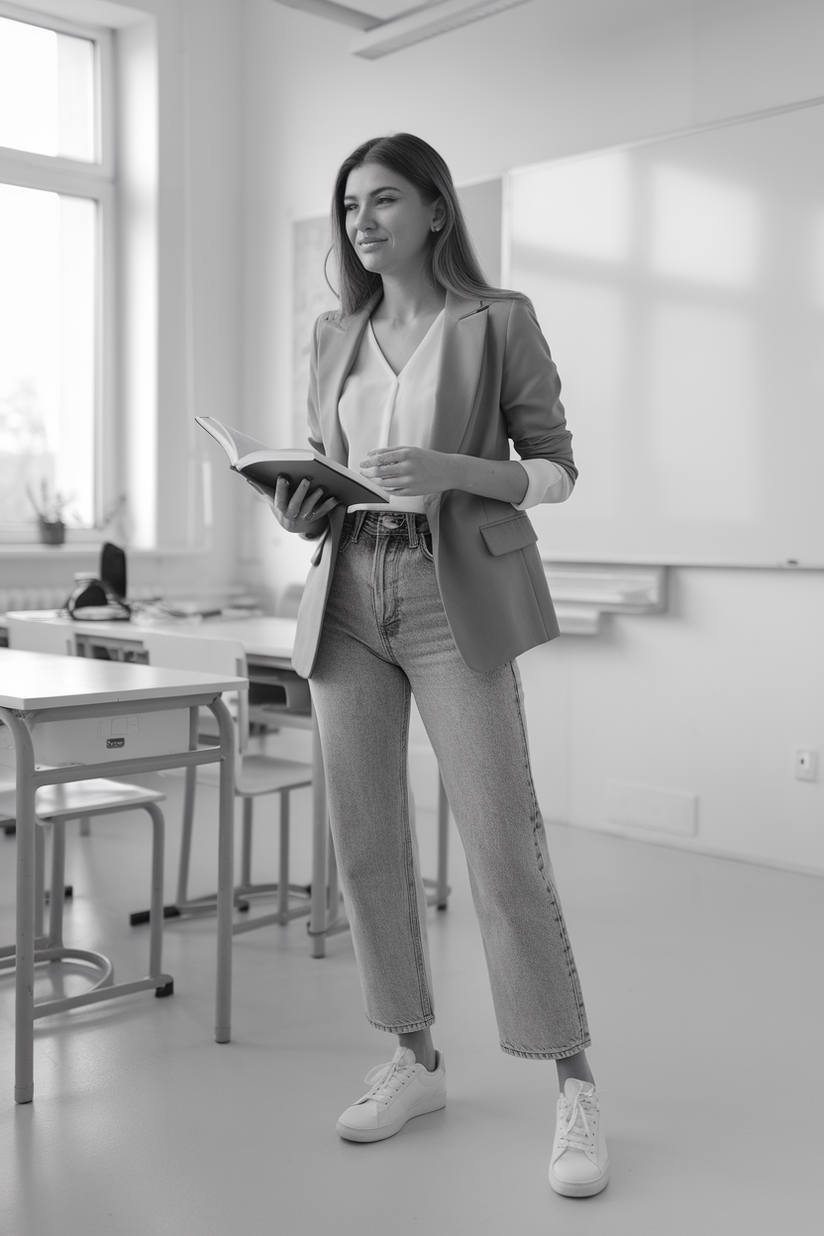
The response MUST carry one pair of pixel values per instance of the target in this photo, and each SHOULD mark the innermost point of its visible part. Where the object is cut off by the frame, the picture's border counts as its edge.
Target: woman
(420, 381)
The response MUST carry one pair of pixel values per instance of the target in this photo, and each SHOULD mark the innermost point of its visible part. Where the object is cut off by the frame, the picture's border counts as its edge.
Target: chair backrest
(185, 650)
(40, 635)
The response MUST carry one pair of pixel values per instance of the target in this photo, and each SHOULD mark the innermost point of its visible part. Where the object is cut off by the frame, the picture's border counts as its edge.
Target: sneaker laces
(577, 1126)
(387, 1080)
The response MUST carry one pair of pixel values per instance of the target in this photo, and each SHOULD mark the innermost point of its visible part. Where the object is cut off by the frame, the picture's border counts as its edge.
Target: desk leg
(225, 873)
(26, 879)
(318, 917)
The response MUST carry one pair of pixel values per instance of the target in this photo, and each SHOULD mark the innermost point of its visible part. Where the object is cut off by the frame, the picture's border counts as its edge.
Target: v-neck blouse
(380, 408)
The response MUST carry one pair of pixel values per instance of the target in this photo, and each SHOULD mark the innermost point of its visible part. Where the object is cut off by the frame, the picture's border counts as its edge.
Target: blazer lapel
(462, 350)
(337, 348)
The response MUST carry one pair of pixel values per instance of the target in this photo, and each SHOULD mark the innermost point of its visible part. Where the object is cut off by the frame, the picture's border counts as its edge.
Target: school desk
(73, 719)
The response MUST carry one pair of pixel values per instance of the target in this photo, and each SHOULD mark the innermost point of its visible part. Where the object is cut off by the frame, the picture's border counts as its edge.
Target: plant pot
(52, 532)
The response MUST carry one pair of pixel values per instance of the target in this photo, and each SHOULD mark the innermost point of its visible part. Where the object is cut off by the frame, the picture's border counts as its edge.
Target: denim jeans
(386, 637)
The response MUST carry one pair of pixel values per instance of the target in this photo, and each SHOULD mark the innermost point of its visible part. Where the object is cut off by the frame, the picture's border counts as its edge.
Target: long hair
(451, 262)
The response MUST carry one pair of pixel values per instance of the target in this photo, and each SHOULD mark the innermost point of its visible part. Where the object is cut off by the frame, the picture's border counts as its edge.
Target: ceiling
(386, 10)
(565, 10)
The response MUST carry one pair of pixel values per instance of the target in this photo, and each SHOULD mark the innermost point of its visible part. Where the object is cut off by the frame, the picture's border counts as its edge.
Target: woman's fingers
(388, 467)
(299, 507)
(325, 507)
(379, 460)
(282, 494)
(301, 502)
(293, 506)
(315, 504)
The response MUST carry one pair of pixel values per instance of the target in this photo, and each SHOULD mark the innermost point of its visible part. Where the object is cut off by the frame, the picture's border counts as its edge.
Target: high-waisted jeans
(386, 637)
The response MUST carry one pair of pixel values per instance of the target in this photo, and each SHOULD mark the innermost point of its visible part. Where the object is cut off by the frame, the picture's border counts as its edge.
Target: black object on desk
(113, 571)
(103, 599)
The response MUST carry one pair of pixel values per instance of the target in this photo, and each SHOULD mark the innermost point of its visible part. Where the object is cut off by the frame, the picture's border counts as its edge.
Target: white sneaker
(400, 1090)
(579, 1165)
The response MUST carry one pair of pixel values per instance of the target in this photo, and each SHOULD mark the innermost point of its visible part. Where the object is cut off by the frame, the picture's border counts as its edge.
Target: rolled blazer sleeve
(548, 482)
(531, 394)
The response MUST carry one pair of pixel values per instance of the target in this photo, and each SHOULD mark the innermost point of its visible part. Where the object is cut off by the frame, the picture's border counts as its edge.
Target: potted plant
(51, 509)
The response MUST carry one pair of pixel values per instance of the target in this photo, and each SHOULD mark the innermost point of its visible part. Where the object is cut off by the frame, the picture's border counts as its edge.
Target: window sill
(82, 549)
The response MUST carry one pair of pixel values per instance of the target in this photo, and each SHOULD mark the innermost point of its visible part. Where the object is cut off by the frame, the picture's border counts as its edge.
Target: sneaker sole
(585, 1189)
(389, 1130)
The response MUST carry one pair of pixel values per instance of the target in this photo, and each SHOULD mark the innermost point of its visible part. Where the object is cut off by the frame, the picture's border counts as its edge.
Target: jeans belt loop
(360, 516)
(411, 530)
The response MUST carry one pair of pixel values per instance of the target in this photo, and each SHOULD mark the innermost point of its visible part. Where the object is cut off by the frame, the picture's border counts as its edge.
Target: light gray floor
(703, 984)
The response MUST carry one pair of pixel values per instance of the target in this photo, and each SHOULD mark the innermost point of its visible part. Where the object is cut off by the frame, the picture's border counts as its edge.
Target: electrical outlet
(806, 765)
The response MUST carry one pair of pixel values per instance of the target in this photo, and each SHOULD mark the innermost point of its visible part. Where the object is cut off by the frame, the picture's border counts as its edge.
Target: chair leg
(186, 835)
(58, 875)
(283, 867)
(246, 845)
(39, 880)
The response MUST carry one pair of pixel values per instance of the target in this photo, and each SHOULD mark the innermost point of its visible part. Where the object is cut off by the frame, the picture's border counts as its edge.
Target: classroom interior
(696, 945)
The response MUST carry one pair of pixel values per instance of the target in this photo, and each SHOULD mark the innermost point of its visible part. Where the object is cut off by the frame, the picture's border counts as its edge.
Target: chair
(40, 635)
(54, 806)
(256, 775)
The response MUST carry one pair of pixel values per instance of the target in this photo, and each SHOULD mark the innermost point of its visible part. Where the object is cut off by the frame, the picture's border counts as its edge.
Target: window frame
(95, 180)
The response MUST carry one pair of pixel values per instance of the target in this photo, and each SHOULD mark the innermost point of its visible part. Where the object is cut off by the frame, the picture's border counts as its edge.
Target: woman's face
(387, 222)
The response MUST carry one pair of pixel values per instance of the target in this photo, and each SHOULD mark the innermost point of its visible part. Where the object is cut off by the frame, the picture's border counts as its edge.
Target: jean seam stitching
(572, 972)
(411, 887)
(561, 1054)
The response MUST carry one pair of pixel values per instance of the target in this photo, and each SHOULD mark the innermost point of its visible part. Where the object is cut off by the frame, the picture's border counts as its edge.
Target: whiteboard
(680, 284)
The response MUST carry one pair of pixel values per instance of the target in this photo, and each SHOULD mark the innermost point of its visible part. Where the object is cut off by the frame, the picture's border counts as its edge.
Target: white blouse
(379, 408)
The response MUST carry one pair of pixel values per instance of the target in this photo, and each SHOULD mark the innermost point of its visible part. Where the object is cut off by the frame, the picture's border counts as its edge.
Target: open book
(264, 464)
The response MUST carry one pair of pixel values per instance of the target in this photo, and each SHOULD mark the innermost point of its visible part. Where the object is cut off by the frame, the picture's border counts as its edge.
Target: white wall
(712, 697)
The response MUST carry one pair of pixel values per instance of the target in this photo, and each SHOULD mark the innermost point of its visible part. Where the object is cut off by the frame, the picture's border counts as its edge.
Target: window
(56, 212)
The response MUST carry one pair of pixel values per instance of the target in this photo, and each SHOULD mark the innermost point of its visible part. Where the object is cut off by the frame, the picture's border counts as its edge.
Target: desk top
(31, 680)
(264, 637)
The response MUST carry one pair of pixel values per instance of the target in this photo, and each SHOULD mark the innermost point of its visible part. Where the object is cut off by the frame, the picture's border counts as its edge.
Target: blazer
(496, 382)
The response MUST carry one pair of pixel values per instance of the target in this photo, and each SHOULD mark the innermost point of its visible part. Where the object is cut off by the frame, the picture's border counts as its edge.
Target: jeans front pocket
(425, 545)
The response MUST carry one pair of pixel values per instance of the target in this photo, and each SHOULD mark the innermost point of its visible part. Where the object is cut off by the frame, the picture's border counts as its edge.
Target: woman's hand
(411, 471)
(299, 510)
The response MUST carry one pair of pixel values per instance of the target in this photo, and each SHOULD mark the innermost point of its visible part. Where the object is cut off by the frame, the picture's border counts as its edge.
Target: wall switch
(806, 765)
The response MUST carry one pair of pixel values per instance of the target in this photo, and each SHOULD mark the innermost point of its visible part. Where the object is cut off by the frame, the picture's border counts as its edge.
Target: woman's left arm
(411, 471)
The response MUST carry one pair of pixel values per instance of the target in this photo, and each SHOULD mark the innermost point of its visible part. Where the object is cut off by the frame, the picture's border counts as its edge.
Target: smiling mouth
(367, 244)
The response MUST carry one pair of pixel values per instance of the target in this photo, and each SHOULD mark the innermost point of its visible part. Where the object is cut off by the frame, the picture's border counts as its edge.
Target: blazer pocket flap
(504, 535)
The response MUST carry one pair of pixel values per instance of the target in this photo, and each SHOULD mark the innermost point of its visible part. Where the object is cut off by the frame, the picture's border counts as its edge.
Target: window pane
(47, 351)
(46, 91)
